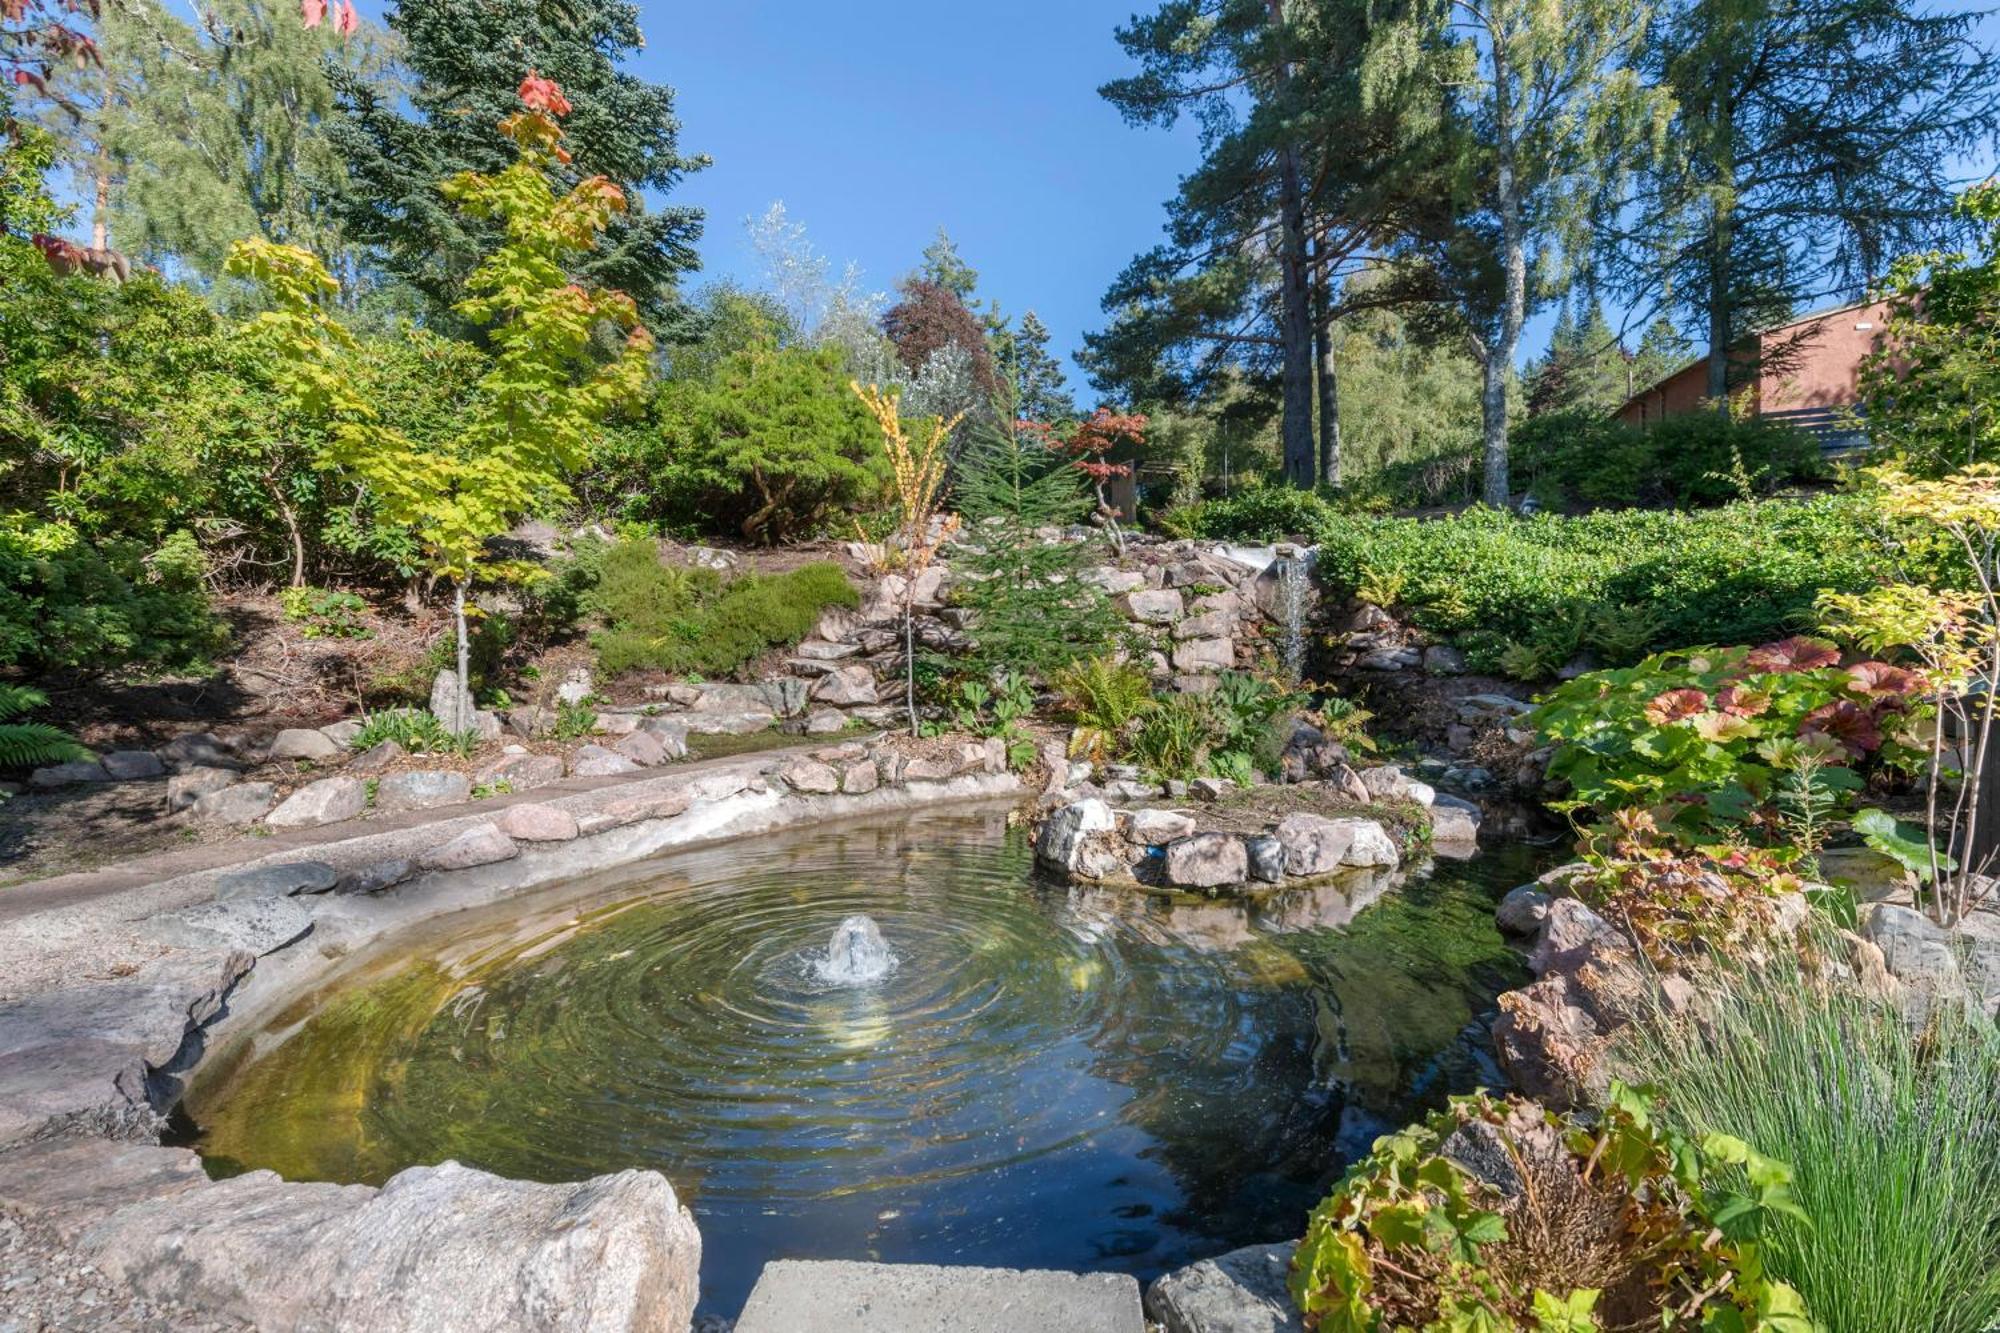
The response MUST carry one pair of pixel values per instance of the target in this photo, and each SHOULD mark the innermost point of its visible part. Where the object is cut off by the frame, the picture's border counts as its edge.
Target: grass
(1894, 1134)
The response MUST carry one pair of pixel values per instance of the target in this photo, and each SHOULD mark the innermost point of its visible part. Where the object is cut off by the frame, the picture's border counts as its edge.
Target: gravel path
(46, 1288)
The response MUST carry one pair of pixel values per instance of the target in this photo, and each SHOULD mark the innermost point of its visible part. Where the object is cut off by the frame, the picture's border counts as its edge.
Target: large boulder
(278, 881)
(1197, 656)
(303, 743)
(480, 845)
(422, 789)
(1243, 1291)
(437, 1247)
(1207, 861)
(327, 801)
(846, 686)
(244, 803)
(1072, 840)
(521, 772)
(247, 925)
(68, 774)
(194, 782)
(1157, 828)
(133, 765)
(1155, 606)
(594, 761)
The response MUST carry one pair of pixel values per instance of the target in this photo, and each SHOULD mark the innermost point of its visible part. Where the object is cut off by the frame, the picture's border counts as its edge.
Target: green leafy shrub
(1892, 1131)
(28, 744)
(1742, 573)
(415, 729)
(1703, 735)
(688, 621)
(1231, 732)
(67, 602)
(996, 709)
(1253, 514)
(574, 721)
(1623, 1223)
(1694, 459)
(325, 613)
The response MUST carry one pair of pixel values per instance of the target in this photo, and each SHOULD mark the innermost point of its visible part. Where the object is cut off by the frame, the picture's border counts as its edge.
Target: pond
(1042, 1076)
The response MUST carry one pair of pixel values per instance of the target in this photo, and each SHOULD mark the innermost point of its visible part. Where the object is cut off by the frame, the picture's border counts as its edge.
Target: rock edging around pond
(87, 1072)
(1201, 848)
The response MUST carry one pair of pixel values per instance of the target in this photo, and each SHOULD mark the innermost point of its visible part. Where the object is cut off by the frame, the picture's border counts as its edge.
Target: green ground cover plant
(689, 621)
(1699, 458)
(1623, 1222)
(1616, 583)
(1892, 1132)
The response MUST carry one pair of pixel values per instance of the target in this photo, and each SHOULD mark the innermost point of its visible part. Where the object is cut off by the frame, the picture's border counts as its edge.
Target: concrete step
(836, 1296)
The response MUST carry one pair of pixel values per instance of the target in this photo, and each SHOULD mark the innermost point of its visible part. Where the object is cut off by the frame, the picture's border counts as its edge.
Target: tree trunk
(464, 705)
(1719, 321)
(100, 213)
(292, 531)
(1296, 328)
(1514, 264)
(910, 650)
(1329, 399)
(1722, 246)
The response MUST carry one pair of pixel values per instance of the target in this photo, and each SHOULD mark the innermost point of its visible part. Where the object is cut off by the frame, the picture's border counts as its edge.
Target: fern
(29, 744)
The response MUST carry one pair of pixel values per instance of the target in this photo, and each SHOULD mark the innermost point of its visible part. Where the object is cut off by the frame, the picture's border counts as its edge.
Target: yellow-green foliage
(689, 622)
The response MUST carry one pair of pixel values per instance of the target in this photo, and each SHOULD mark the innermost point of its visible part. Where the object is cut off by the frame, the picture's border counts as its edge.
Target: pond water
(1042, 1076)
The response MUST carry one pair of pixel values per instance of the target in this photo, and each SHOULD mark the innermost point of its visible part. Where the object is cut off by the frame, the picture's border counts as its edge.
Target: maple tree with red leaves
(36, 35)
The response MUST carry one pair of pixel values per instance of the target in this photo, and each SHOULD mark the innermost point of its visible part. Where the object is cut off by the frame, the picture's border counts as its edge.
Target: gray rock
(1522, 911)
(1199, 656)
(244, 803)
(1155, 606)
(1918, 952)
(1243, 1291)
(594, 761)
(422, 789)
(531, 723)
(327, 801)
(437, 1247)
(1112, 581)
(576, 686)
(1067, 832)
(1267, 859)
(1207, 861)
(846, 686)
(191, 784)
(302, 743)
(279, 881)
(197, 749)
(1372, 845)
(521, 772)
(451, 703)
(81, 1060)
(343, 732)
(616, 724)
(1441, 659)
(377, 876)
(1212, 625)
(643, 748)
(727, 724)
(809, 775)
(377, 758)
(818, 650)
(1157, 828)
(68, 774)
(806, 1296)
(253, 925)
(825, 722)
(133, 765)
(1314, 844)
(860, 777)
(1210, 789)
(534, 822)
(480, 845)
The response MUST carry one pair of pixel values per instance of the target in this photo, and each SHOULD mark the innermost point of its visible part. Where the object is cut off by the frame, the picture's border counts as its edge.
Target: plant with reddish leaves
(1088, 446)
(1713, 737)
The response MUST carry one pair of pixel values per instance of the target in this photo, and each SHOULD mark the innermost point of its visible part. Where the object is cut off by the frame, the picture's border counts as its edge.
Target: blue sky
(878, 123)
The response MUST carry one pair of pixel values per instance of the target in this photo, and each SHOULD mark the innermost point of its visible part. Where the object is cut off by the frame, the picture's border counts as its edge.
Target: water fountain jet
(857, 954)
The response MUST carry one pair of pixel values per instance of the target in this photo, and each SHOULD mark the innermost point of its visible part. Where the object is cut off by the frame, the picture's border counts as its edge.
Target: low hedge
(1620, 583)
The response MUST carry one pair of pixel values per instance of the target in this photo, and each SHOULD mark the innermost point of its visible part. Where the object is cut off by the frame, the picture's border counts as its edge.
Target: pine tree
(946, 268)
(467, 57)
(1040, 393)
(1814, 140)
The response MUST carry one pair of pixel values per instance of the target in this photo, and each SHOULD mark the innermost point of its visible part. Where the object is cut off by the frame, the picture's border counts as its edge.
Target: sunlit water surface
(1047, 1077)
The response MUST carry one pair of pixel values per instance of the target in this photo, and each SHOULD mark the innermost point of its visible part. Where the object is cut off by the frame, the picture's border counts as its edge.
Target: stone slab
(796, 1295)
(1239, 1292)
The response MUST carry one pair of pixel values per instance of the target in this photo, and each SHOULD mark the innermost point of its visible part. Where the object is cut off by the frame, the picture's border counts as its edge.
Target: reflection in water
(1049, 1077)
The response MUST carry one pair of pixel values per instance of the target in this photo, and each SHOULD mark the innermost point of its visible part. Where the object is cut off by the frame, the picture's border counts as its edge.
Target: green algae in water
(1052, 1076)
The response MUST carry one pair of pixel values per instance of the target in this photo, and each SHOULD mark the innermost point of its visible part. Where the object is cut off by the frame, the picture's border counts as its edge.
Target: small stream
(1045, 1077)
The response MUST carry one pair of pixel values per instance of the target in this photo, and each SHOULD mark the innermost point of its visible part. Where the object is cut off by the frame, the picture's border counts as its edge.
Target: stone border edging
(87, 1071)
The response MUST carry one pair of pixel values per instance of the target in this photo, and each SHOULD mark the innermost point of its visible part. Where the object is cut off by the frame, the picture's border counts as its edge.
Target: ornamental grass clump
(1892, 1133)
(1498, 1215)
